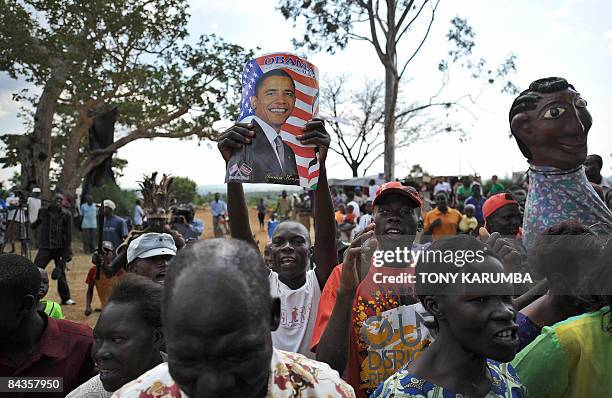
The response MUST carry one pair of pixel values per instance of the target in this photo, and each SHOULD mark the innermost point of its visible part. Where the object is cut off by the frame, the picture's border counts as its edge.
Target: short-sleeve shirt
(572, 358)
(218, 208)
(450, 222)
(504, 384)
(53, 309)
(272, 224)
(62, 351)
(468, 223)
(378, 309)
(298, 313)
(89, 213)
(496, 188)
(291, 376)
(115, 230)
(138, 215)
(104, 285)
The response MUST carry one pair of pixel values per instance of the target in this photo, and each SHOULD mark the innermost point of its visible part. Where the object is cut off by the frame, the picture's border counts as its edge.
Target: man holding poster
(274, 109)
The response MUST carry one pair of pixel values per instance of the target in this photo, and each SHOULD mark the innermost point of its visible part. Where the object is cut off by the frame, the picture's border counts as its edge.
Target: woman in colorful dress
(474, 324)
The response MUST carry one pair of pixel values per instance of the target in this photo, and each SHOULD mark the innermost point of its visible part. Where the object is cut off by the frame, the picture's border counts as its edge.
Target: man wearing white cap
(115, 228)
(149, 255)
(34, 205)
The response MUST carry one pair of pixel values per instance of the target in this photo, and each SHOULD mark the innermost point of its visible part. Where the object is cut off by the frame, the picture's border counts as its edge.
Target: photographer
(55, 235)
(183, 221)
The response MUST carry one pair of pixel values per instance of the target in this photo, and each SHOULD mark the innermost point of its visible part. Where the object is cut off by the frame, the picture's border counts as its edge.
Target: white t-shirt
(298, 313)
(34, 205)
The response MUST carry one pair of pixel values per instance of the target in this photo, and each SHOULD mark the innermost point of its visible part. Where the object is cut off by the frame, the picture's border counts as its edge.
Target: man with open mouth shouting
(367, 327)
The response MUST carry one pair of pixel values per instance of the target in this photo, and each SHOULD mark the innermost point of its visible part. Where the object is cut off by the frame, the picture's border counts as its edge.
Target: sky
(567, 38)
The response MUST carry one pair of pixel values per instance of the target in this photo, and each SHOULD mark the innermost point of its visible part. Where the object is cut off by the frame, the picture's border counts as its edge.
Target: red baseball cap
(397, 187)
(496, 202)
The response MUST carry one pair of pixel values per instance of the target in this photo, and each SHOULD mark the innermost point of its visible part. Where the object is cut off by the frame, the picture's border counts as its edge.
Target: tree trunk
(72, 175)
(35, 171)
(354, 169)
(391, 88)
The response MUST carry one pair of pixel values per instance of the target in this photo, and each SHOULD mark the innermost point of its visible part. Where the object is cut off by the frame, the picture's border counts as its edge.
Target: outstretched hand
(314, 133)
(510, 256)
(235, 137)
(349, 280)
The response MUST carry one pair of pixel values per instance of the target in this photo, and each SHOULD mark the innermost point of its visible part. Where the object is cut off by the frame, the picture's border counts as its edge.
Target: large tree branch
(433, 15)
(368, 7)
(404, 14)
(409, 24)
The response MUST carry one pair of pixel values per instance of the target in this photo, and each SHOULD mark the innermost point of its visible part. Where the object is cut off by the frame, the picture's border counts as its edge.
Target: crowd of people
(384, 300)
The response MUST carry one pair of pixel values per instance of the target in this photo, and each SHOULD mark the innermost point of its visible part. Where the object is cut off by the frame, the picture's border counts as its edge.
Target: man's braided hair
(528, 101)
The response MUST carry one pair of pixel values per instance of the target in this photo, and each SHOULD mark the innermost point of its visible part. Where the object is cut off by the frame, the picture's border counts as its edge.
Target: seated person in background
(468, 223)
(441, 221)
(128, 337)
(303, 268)
(101, 276)
(31, 343)
(224, 348)
(149, 255)
(565, 254)
(51, 308)
(475, 331)
(573, 358)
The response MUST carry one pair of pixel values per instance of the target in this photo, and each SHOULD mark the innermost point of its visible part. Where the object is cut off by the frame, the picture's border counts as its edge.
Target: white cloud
(608, 35)
(583, 38)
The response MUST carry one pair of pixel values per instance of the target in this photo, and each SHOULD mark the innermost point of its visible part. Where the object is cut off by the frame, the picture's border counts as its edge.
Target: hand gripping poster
(280, 93)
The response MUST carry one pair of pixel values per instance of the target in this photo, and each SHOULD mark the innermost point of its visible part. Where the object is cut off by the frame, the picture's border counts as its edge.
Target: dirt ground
(81, 263)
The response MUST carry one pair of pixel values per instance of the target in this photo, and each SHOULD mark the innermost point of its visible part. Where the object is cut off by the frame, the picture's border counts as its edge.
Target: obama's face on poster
(274, 100)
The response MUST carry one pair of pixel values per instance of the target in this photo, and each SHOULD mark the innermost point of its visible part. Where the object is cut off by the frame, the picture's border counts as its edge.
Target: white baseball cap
(110, 204)
(36, 190)
(151, 244)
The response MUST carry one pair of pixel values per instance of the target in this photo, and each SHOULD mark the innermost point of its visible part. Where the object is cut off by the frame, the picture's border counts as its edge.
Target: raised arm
(236, 137)
(333, 347)
(325, 252)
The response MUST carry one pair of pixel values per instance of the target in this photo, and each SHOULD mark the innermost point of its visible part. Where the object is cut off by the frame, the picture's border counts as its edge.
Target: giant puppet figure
(550, 123)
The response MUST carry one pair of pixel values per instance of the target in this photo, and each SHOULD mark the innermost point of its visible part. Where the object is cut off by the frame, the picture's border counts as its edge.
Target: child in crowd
(469, 222)
(272, 224)
(103, 279)
(51, 308)
(340, 213)
(348, 224)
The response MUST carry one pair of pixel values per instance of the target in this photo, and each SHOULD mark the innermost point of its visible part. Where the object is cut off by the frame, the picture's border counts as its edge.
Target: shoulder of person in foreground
(295, 373)
(91, 388)
(403, 384)
(157, 382)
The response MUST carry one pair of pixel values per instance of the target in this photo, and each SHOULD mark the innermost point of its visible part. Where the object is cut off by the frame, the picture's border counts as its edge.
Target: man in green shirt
(465, 190)
(283, 208)
(496, 186)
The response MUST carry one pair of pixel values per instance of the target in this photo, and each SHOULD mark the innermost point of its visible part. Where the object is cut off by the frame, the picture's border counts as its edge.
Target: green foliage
(184, 190)
(125, 200)
(131, 54)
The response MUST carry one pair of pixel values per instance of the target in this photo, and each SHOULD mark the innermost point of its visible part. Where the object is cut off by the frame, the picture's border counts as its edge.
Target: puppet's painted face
(556, 130)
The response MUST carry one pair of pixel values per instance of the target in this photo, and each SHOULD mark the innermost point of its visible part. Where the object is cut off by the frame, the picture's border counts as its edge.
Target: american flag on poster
(306, 78)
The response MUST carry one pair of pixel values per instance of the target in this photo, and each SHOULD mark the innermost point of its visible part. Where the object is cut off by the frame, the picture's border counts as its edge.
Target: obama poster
(280, 94)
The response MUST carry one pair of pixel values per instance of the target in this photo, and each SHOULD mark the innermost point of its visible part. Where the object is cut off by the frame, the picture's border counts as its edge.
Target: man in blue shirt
(478, 201)
(115, 228)
(89, 212)
(218, 209)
